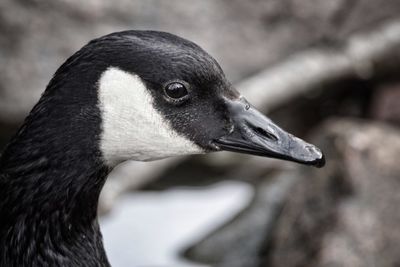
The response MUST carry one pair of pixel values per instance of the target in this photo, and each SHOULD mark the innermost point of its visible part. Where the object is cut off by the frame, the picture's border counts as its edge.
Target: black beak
(253, 133)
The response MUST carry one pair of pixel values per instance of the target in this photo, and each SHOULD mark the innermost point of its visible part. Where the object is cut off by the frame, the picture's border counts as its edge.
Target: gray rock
(385, 103)
(346, 214)
(237, 244)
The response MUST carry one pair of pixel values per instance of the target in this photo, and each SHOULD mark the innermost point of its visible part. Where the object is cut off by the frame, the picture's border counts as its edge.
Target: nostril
(264, 133)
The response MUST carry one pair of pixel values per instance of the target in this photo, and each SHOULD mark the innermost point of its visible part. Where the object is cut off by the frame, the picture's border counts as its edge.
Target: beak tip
(315, 155)
(320, 162)
(319, 157)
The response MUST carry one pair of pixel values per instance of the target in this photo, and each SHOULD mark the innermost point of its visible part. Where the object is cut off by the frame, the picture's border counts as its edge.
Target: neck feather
(51, 175)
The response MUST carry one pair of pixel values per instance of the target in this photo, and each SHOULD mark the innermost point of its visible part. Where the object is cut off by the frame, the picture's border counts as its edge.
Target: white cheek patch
(131, 127)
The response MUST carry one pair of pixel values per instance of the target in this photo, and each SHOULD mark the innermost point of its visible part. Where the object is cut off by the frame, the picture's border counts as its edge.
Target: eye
(176, 90)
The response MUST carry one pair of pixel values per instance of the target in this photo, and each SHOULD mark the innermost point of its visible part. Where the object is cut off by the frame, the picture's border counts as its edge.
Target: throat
(48, 209)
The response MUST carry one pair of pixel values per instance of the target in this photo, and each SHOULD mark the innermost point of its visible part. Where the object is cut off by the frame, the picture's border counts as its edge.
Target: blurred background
(327, 71)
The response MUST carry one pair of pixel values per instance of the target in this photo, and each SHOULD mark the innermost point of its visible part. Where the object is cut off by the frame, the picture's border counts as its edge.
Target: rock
(385, 103)
(346, 214)
(237, 244)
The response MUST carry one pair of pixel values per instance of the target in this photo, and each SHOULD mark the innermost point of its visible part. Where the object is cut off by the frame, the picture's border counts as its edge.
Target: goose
(131, 95)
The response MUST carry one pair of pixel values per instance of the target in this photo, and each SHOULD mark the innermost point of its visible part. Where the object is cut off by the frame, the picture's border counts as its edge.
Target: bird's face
(163, 96)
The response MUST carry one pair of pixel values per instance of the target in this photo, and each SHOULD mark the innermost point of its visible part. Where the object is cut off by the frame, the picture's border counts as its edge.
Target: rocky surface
(346, 214)
(237, 244)
(385, 104)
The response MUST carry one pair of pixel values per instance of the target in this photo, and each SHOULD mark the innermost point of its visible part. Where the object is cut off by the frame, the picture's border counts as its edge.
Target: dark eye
(176, 90)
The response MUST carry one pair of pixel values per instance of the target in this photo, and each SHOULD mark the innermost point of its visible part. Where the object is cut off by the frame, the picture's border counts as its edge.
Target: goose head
(160, 95)
(145, 95)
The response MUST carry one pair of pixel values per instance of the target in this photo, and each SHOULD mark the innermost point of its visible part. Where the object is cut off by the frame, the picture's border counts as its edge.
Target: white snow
(150, 229)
